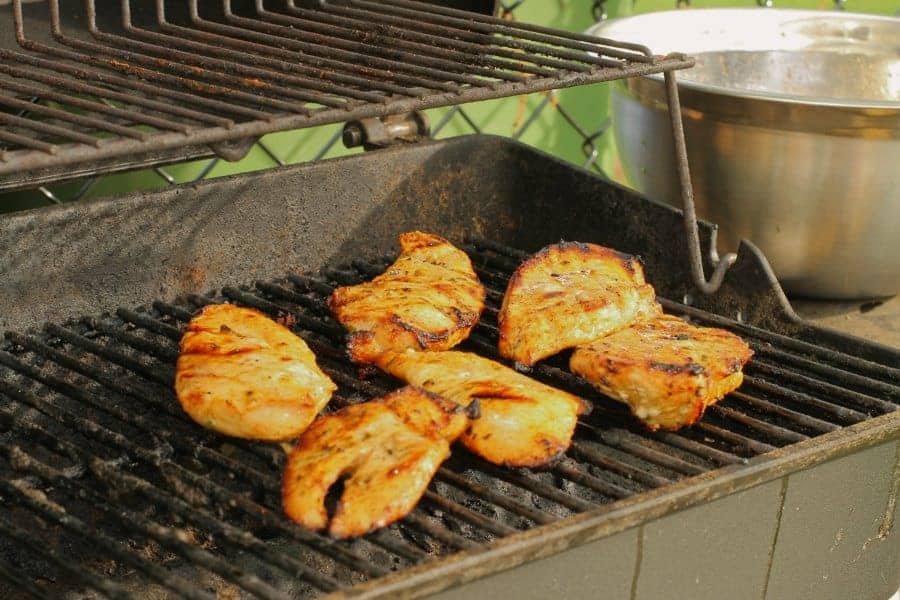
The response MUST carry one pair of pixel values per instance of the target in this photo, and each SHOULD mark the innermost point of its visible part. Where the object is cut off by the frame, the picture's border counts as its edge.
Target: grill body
(808, 519)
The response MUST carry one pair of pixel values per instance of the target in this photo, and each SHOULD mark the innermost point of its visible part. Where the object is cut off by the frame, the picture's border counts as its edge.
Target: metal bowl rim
(606, 29)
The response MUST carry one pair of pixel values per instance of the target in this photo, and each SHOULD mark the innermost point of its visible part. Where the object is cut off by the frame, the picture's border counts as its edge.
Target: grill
(108, 486)
(109, 490)
(117, 90)
(94, 437)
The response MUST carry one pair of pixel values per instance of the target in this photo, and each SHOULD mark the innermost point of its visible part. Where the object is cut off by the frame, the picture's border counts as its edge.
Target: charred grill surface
(107, 485)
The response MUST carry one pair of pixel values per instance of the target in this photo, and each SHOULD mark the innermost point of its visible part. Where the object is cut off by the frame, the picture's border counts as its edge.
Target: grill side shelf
(101, 90)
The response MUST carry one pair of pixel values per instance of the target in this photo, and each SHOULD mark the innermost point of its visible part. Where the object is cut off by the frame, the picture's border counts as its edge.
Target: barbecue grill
(108, 489)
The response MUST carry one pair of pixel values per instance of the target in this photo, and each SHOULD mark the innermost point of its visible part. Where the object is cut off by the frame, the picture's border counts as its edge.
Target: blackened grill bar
(89, 422)
(229, 75)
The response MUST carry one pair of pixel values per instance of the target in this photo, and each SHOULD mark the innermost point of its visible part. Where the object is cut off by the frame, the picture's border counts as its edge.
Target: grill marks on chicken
(521, 423)
(569, 294)
(666, 370)
(596, 300)
(244, 375)
(386, 450)
(428, 299)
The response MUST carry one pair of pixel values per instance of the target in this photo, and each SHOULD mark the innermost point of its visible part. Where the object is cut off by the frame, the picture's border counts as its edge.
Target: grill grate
(115, 93)
(99, 462)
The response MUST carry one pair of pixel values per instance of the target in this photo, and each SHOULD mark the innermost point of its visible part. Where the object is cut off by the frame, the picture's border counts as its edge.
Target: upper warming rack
(159, 82)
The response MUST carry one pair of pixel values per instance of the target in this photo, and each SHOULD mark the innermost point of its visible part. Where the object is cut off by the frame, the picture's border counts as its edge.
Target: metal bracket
(233, 150)
(720, 264)
(379, 132)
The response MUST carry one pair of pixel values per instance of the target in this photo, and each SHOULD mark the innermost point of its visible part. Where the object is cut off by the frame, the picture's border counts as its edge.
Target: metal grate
(101, 97)
(106, 485)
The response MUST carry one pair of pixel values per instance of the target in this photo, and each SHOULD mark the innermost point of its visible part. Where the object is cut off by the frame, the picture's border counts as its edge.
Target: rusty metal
(486, 7)
(52, 131)
(213, 79)
(719, 264)
(347, 36)
(99, 124)
(410, 29)
(259, 80)
(537, 33)
(380, 132)
(41, 71)
(275, 58)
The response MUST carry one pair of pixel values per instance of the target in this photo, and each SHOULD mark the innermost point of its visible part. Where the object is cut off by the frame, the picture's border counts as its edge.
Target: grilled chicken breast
(522, 422)
(429, 299)
(666, 370)
(386, 450)
(245, 375)
(569, 294)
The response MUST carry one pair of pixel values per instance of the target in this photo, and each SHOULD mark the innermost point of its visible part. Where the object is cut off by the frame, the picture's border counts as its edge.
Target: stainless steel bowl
(792, 121)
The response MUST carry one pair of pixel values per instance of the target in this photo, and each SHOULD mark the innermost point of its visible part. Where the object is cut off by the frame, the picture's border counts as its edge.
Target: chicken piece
(522, 422)
(387, 450)
(429, 299)
(666, 370)
(243, 374)
(426, 412)
(569, 294)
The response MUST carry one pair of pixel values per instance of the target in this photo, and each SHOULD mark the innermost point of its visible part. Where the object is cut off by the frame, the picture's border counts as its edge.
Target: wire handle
(720, 264)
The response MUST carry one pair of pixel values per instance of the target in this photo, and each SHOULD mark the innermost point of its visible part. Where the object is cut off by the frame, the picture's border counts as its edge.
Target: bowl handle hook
(720, 264)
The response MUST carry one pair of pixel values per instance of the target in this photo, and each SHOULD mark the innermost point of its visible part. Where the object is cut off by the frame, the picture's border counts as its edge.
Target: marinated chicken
(386, 451)
(429, 299)
(666, 370)
(569, 294)
(242, 374)
(522, 422)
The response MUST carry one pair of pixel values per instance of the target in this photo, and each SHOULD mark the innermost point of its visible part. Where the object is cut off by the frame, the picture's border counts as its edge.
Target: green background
(550, 130)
